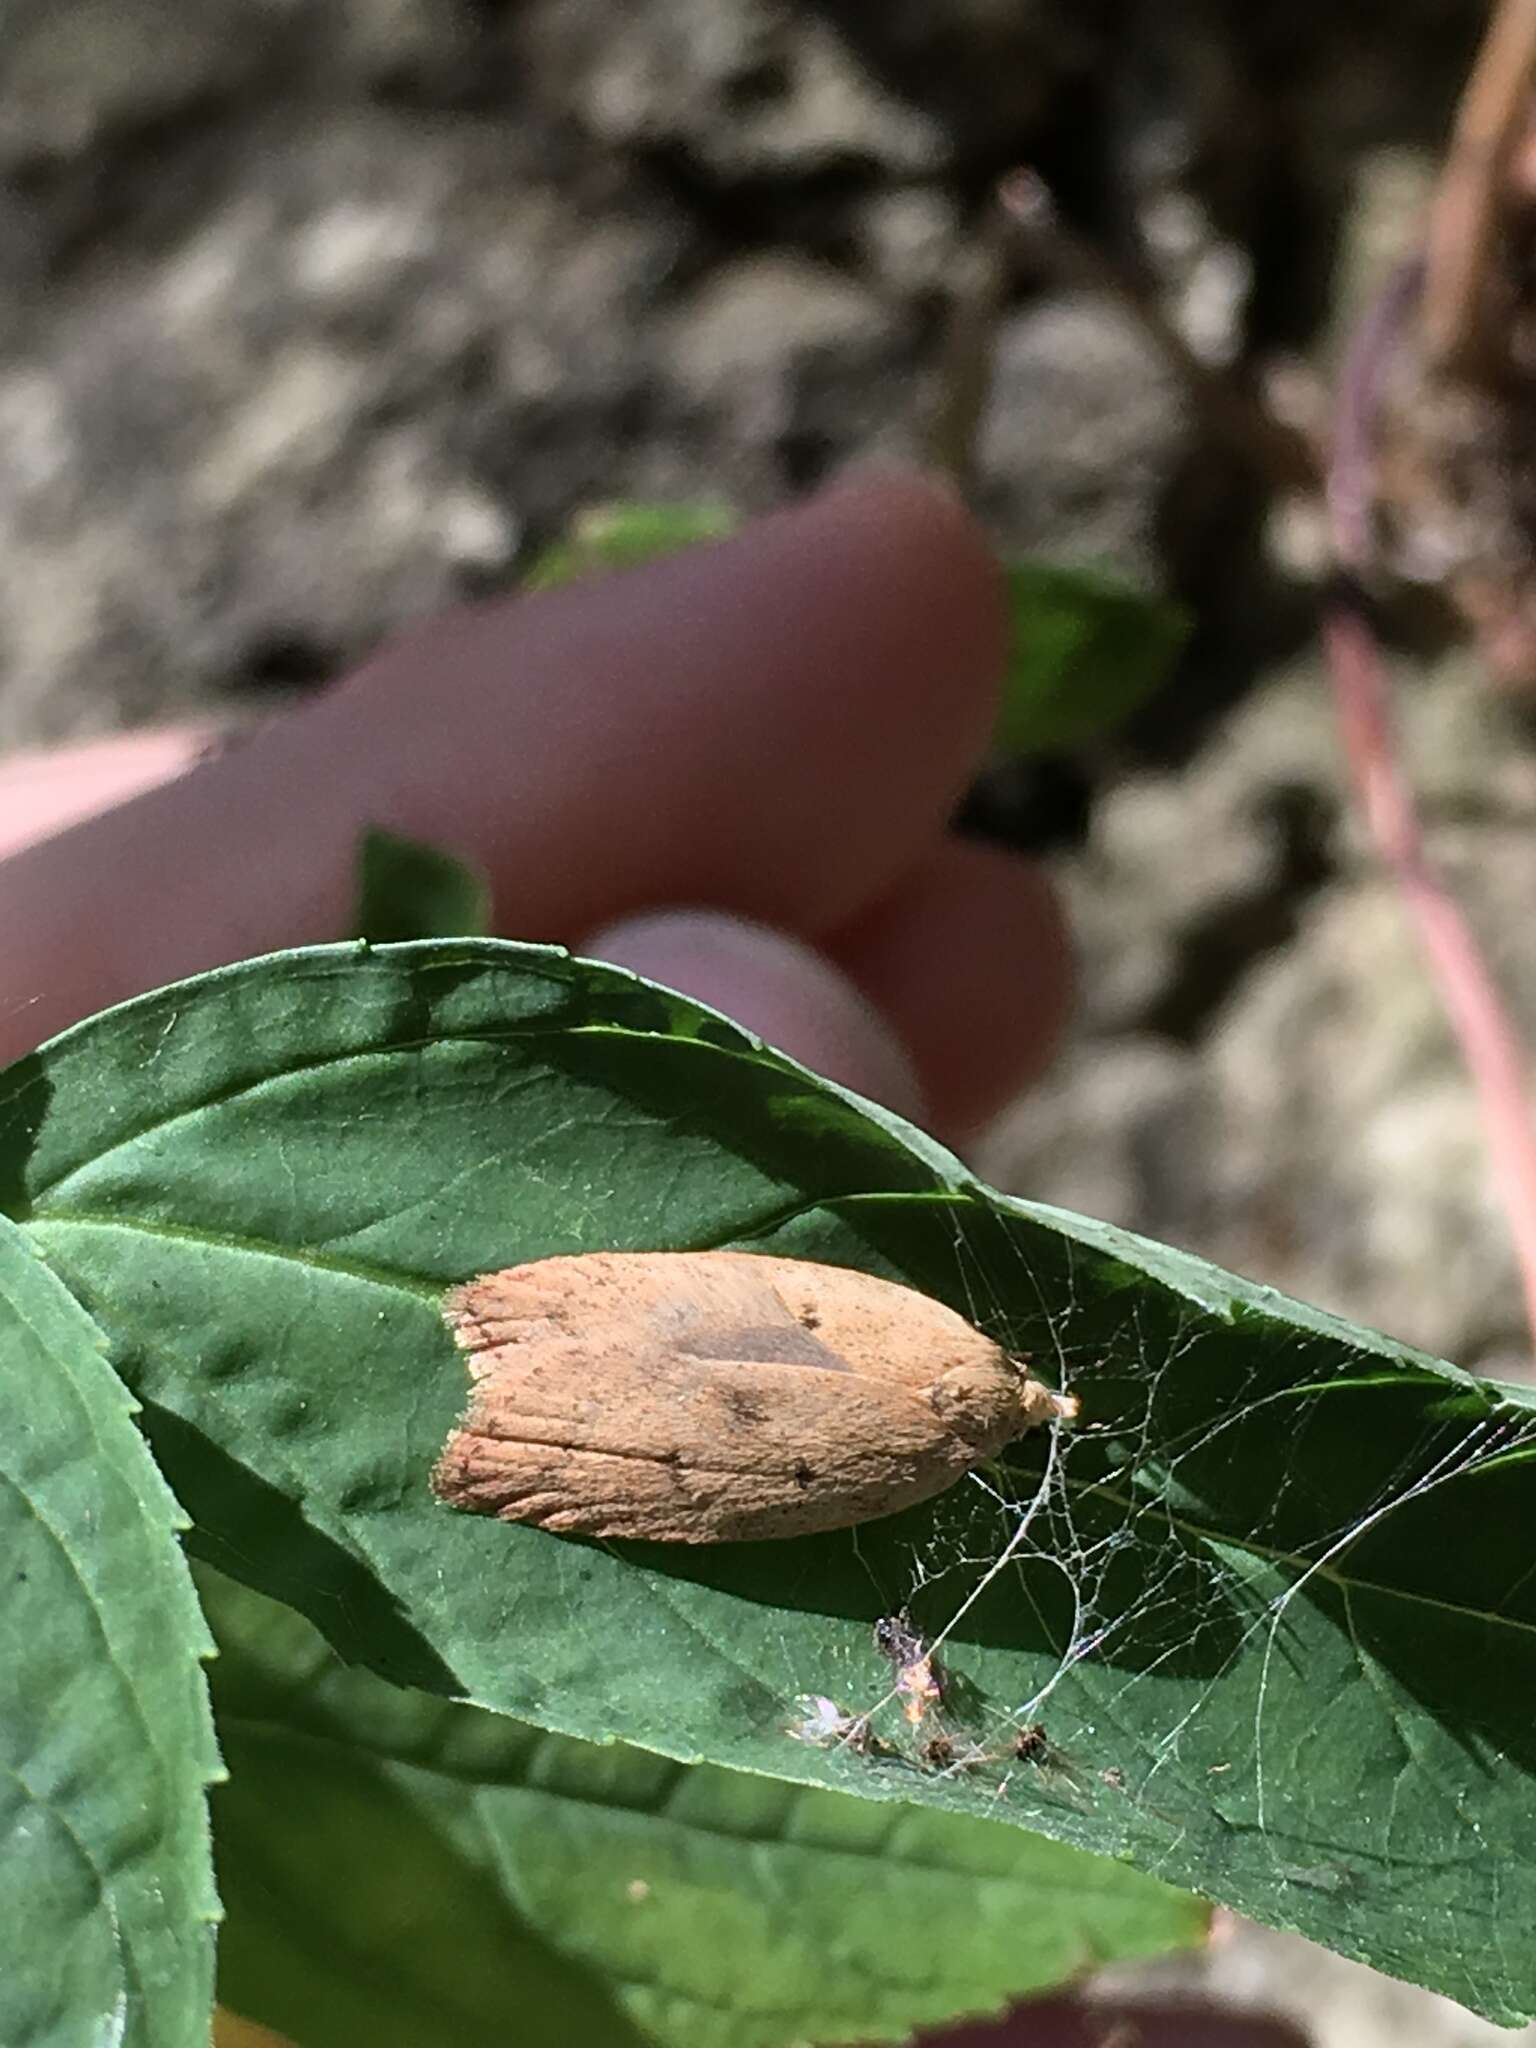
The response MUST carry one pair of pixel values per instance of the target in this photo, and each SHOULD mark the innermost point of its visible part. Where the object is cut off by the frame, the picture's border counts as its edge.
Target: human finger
(776, 724)
(44, 792)
(777, 986)
(968, 959)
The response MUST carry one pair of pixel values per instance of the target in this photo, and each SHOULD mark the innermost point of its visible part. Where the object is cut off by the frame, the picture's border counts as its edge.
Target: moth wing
(687, 1450)
(700, 1304)
(885, 1330)
(696, 1397)
(729, 1305)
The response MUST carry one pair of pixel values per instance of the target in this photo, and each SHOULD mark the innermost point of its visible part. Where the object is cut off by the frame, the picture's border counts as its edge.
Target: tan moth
(712, 1397)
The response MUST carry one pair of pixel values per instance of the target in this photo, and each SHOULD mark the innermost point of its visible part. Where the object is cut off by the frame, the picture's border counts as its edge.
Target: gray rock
(786, 367)
(75, 71)
(1176, 856)
(428, 47)
(765, 312)
(993, 72)
(1081, 434)
(331, 404)
(749, 88)
(1117, 1132)
(907, 237)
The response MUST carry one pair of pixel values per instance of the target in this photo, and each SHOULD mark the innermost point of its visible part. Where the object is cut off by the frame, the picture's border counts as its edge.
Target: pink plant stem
(1358, 675)
(1471, 998)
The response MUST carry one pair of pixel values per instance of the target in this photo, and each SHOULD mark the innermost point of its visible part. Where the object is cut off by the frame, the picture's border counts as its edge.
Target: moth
(714, 1397)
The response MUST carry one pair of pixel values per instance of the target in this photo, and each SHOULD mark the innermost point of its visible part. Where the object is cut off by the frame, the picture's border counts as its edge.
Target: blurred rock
(331, 404)
(441, 51)
(1118, 1131)
(1187, 876)
(784, 366)
(748, 88)
(993, 72)
(1081, 435)
(76, 71)
(907, 236)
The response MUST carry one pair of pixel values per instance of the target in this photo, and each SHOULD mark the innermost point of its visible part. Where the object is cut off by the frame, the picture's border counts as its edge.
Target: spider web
(1171, 1630)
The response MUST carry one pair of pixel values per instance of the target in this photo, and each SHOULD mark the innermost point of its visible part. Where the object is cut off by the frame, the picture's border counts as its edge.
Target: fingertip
(934, 574)
(779, 722)
(46, 792)
(923, 519)
(776, 986)
(970, 958)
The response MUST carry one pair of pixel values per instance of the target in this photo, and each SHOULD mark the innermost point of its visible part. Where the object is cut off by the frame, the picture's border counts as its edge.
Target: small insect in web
(939, 1752)
(826, 1726)
(1032, 1745)
(945, 1753)
(917, 1675)
(1052, 1768)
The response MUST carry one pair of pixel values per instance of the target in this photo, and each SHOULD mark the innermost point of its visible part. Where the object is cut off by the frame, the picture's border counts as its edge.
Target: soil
(321, 318)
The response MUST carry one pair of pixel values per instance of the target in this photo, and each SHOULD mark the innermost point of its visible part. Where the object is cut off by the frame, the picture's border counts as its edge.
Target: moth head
(969, 1400)
(1040, 1403)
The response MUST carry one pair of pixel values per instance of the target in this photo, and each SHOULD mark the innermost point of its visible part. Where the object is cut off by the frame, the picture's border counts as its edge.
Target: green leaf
(106, 1744)
(408, 890)
(1084, 652)
(1271, 1599)
(622, 536)
(403, 1871)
